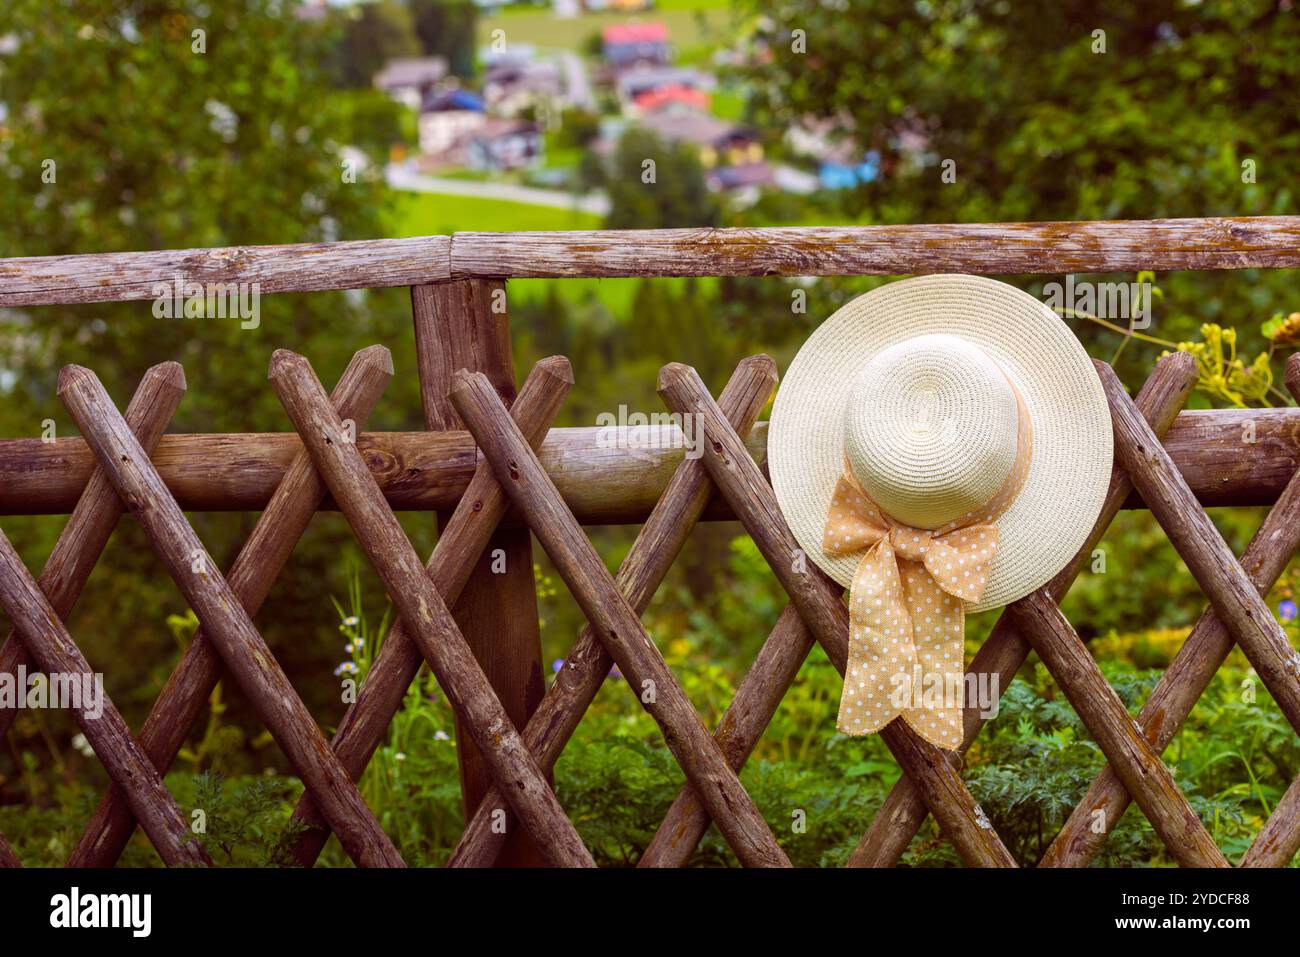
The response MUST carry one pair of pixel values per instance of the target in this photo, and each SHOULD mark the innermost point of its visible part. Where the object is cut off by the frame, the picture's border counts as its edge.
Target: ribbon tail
(880, 645)
(936, 705)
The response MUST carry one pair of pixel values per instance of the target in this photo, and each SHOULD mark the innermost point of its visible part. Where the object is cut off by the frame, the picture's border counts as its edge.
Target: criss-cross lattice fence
(485, 655)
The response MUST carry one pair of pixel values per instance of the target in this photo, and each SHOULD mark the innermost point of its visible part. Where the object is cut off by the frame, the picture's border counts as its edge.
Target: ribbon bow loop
(959, 560)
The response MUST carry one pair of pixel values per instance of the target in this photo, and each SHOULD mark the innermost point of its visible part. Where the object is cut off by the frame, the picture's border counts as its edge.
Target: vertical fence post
(463, 324)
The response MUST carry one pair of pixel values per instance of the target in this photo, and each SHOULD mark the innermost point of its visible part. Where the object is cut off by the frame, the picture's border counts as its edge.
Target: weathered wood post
(464, 324)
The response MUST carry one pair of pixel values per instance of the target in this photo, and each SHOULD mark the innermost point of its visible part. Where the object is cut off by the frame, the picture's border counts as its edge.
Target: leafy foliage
(670, 193)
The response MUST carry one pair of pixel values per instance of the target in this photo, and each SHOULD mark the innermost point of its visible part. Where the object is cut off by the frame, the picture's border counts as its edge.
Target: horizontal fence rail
(986, 248)
(1227, 457)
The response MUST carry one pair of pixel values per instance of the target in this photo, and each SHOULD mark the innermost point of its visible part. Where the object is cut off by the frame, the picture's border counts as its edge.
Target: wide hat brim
(1051, 518)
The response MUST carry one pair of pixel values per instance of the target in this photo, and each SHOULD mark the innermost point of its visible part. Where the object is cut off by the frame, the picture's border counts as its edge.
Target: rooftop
(411, 72)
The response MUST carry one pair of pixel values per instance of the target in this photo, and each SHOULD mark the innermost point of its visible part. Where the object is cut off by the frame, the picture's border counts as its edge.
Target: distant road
(577, 84)
(400, 178)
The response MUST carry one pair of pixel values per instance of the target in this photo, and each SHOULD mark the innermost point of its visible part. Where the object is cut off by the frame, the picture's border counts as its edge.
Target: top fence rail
(982, 248)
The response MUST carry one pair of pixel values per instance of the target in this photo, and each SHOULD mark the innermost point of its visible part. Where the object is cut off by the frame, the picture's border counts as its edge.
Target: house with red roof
(628, 45)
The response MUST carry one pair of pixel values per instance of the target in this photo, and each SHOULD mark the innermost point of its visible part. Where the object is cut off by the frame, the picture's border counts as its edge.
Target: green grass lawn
(431, 214)
(689, 22)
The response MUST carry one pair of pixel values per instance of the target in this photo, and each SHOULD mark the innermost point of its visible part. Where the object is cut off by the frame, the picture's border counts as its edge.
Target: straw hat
(932, 392)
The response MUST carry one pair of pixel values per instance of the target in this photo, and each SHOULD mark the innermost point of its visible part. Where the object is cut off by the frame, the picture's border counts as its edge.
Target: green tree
(446, 28)
(1055, 109)
(668, 194)
(375, 33)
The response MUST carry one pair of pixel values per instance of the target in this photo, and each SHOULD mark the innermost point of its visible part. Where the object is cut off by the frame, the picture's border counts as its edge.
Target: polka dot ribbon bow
(907, 615)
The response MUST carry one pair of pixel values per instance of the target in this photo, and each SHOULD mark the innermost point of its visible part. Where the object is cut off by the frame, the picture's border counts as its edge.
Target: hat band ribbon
(907, 614)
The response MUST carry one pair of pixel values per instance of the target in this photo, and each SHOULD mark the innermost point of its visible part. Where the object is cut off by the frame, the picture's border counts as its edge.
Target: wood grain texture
(615, 622)
(1136, 762)
(256, 568)
(302, 267)
(987, 248)
(759, 695)
(460, 325)
(587, 664)
(1003, 653)
(8, 857)
(228, 626)
(464, 325)
(449, 567)
(983, 248)
(1278, 840)
(48, 642)
(1233, 596)
(96, 513)
(423, 612)
(603, 483)
(1182, 684)
(820, 604)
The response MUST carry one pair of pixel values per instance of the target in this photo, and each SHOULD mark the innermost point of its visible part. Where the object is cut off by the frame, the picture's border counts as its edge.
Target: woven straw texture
(1072, 448)
(930, 429)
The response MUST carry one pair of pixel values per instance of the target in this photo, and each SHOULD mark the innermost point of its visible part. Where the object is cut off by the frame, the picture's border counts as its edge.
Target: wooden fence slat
(301, 267)
(1175, 694)
(227, 625)
(1208, 557)
(656, 547)
(461, 540)
(616, 623)
(751, 710)
(464, 325)
(8, 857)
(1278, 840)
(256, 568)
(48, 642)
(423, 611)
(1182, 684)
(82, 541)
(602, 484)
(821, 606)
(1005, 650)
(1136, 762)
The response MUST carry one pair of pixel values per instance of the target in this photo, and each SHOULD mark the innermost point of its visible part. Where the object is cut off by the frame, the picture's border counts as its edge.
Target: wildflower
(1284, 330)
(82, 746)
(347, 668)
(399, 756)
(359, 641)
(348, 647)
(557, 664)
(440, 735)
(1286, 609)
(349, 622)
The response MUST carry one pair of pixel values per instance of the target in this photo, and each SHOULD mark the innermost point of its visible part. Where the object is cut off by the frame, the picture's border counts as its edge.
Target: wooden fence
(478, 631)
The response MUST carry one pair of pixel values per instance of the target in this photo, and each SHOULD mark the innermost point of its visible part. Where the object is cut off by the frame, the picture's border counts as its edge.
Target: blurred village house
(523, 94)
(408, 80)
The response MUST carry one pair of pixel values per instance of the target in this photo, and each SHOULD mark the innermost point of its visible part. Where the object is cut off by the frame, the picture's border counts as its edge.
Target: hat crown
(930, 429)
